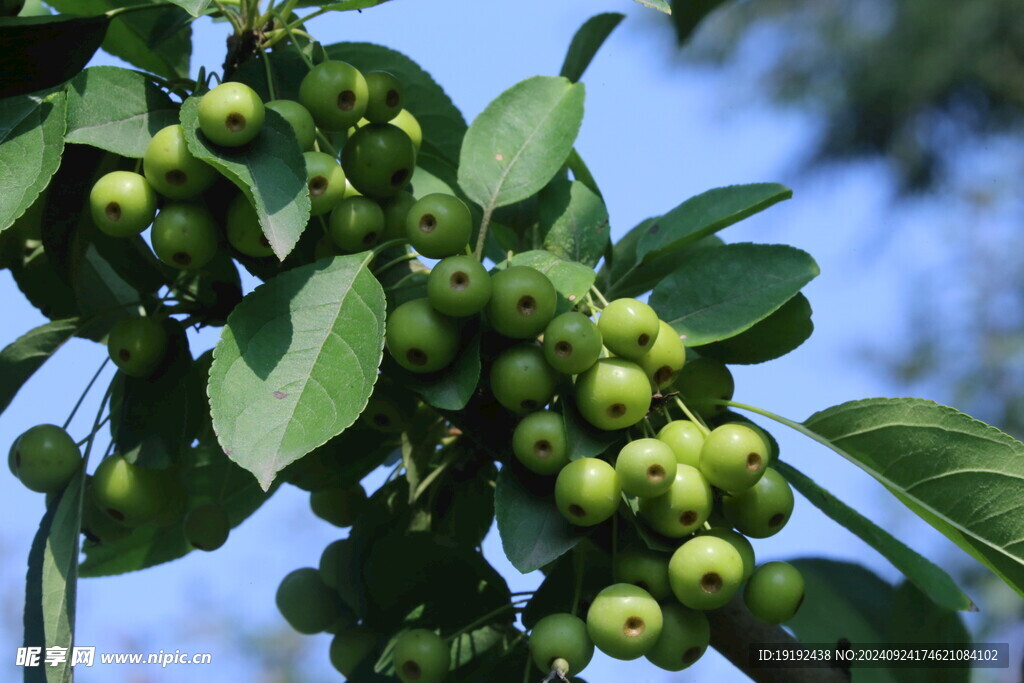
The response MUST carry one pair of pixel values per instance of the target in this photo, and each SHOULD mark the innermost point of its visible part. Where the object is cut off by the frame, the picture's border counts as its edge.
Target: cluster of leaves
(299, 357)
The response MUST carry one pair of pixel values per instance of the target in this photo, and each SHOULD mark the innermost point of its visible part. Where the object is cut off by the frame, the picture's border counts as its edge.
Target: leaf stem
(695, 419)
(85, 392)
(796, 426)
(481, 239)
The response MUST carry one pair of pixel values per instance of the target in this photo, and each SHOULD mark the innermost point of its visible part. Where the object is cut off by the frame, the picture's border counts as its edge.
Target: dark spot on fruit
(691, 656)
(688, 518)
(264, 242)
(113, 211)
(381, 420)
(182, 258)
(116, 514)
(427, 223)
(656, 473)
(317, 186)
(663, 375)
(711, 582)
(528, 404)
(459, 281)
(412, 670)
(369, 238)
(392, 98)
(346, 100)
(279, 395)
(542, 448)
(563, 349)
(643, 340)
(577, 510)
(776, 521)
(400, 177)
(235, 122)
(176, 177)
(633, 627)
(124, 355)
(753, 462)
(416, 357)
(616, 410)
(526, 305)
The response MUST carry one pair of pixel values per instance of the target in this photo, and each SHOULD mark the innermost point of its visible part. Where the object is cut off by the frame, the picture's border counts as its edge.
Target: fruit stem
(85, 392)
(265, 58)
(599, 295)
(394, 262)
(279, 13)
(228, 14)
(430, 478)
(693, 418)
(325, 144)
(509, 607)
(579, 562)
(647, 428)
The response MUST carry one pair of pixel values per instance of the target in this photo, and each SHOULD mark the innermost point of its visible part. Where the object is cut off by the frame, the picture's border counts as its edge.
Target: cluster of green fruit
(363, 192)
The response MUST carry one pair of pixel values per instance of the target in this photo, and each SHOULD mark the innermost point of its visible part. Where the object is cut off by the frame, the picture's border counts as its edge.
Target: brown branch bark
(734, 629)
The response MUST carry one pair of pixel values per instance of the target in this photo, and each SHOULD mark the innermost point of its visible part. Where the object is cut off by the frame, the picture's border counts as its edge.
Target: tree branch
(734, 630)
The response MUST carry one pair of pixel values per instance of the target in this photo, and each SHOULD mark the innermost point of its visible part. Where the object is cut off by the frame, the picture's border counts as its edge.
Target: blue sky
(654, 134)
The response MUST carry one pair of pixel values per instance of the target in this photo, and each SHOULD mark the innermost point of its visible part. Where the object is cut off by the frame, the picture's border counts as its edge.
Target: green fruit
(421, 656)
(339, 506)
(705, 572)
(733, 457)
(665, 358)
(539, 442)
(129, 494)
(333, 560)
(683, 508)
(738, 541)
(408, 123)
(624, 621)
(385, 97)
(587, 491)
(122, 203)
(685, 439)
(685, 635)
(646, 468)
(325, 182)
(10, 8)
(396, 210)
(629, 328)
(762, 510)
(231, 114)
(299, 118)
(572, 343)
(307, 603)
(522, 302)
(459, 286)
(335, 93)
(775, 592)
(137, 345)
(768, 445)
(645, 569)
(96, 525)
(439, 225)
(349, 648)
(171, 169)
(379, 160)
(244, 231)
(561, 636)
(613, 394)
(12, 457)
(390, 408)
(521, 379)
(207, 527)
(420, 339)
(356, 224)
(184, 236)
(701, 382)
(45, 458)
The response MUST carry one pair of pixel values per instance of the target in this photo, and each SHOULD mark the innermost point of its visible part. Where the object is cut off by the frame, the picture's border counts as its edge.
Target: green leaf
(31, 144)
(451, 388)
(961, 475)
(193, 7)
(28, 46)
(587, 42)
(555, 594)
(533, 532)
(52, 581)
(730, 288)
(688, 14)
(21, 358)
(297, 362)
(208, 476)
(117, 110)
(575, 222)
(775, 336)
(157, 39)
(916, 619)
(660, 5)
(270, 171)
(571, 280)
(520, 140)
(341, 462)
(926, 575)
(708, 213)
(349, 5)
